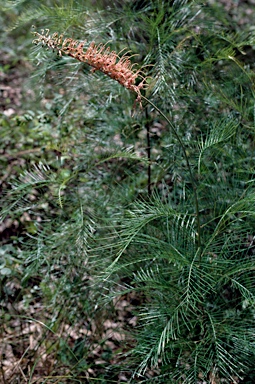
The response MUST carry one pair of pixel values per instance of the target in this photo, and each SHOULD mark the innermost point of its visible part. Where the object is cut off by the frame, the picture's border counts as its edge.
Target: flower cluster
(99, 57)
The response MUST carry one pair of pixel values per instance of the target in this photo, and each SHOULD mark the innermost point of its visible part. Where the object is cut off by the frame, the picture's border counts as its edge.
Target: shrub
(139, 235)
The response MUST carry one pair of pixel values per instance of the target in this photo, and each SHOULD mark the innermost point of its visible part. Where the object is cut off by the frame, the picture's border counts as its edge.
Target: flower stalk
(194, 187)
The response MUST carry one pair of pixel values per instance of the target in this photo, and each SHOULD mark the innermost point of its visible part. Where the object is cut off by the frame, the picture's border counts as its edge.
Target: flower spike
(99, 57)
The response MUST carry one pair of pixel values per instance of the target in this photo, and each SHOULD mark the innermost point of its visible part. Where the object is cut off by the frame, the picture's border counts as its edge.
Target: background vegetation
(127, 235)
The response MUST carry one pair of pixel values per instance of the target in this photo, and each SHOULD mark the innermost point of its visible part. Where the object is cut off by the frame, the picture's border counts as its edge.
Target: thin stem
(188, 165)
(148, 136)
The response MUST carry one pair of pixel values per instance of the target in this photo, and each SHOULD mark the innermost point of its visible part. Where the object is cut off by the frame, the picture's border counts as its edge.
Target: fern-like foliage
(189, 327)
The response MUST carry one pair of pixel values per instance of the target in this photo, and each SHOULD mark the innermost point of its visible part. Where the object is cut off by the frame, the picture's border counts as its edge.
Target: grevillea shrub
(142, 284)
